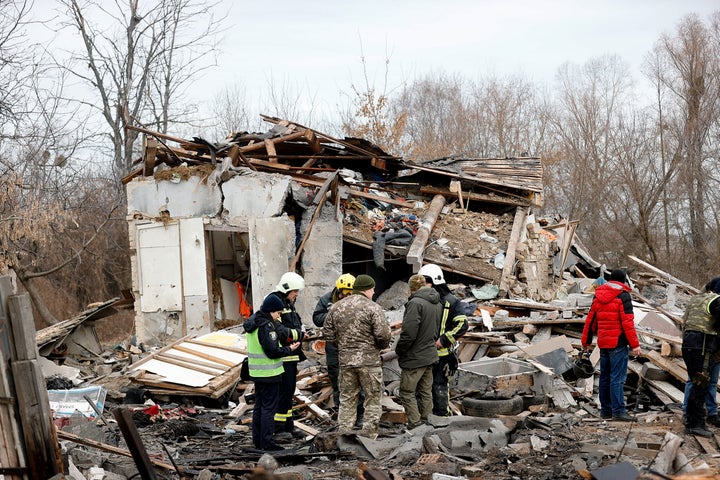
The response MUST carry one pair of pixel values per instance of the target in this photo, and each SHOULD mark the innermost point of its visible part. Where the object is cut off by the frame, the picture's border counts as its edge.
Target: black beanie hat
(272, 303)
(618, 275)
(713, 285)
(363, 282)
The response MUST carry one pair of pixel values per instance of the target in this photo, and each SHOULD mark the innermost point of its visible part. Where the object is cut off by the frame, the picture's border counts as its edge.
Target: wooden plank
(162, 350)
(529, 304)
(314, 408)
(105, 447)
(185, 363)
(313, 141)
(23, 327)
(467, 351)
(204, 355)
(306, 428)
(498, 198)
(663, 274)
(668, 365)
(707, 445)
(270, 147)
(37, 427)
(11, 448)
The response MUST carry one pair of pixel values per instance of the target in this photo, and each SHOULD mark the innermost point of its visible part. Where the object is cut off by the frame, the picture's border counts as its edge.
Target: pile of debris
(212, 224)
(520, 410)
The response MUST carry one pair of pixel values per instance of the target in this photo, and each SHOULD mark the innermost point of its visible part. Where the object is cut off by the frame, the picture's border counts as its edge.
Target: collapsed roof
(466, 240)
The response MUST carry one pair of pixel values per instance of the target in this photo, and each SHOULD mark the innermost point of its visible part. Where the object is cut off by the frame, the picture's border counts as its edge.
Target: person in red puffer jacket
(612, 320)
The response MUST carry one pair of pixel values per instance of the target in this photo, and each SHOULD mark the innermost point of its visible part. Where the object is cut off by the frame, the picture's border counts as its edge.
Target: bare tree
(686, 65)
(370, 115)
(591, 99)
(230, 111)
(138, 62)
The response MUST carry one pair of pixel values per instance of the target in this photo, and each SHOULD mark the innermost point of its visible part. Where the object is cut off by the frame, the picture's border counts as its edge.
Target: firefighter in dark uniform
(452, 326)
(288, 289)
(265, 366)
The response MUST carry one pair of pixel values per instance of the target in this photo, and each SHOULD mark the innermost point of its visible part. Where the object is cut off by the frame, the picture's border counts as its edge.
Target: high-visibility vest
(259, 364)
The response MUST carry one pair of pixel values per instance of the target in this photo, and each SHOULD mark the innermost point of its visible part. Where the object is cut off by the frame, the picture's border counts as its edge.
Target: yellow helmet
(345, 282)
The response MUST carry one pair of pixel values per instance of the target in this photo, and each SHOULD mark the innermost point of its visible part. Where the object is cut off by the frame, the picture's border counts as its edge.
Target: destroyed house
(212, 227)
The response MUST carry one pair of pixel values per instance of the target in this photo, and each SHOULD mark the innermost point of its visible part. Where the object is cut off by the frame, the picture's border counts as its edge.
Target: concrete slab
(256, 195)
(184, 199)
(321, 259)
(272, 242)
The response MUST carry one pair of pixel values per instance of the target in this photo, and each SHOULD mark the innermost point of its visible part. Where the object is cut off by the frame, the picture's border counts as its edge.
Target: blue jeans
(710, 398)
(613, 373)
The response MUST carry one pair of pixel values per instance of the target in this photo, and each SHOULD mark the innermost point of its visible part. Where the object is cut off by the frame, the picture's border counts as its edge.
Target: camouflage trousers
(351, 381)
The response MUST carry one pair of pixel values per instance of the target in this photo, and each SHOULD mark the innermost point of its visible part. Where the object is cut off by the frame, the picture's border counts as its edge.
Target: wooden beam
(509, 266)
(417, 247)
(134, 442)
(665, 275)
(668, 365)
(270, 148)
(332, 181)
(237, 156)
(478, 197)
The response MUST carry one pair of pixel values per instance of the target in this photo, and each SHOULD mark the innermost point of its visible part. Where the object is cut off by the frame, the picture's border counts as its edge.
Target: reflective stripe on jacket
(259, 364)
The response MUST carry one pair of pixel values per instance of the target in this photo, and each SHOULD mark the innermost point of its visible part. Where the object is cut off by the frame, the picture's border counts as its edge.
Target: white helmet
(290, 281)
(433, 272)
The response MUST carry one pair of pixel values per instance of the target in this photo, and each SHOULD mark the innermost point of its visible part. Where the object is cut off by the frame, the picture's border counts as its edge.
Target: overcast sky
(316, 45)
(313, 47)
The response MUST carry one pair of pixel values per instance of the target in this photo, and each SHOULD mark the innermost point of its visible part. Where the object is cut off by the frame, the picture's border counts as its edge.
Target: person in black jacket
(287, 290)
(265, 337)
(453, 325)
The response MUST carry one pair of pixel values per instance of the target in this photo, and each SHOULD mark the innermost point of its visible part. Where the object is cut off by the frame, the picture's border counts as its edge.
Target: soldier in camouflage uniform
(358, 327)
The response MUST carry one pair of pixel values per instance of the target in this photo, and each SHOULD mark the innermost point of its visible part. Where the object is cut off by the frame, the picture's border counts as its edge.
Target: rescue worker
(416, 350)
(453, 325)
(700, 352)
(357, 326)
(343, 288)
(287, 290)
(265, 353)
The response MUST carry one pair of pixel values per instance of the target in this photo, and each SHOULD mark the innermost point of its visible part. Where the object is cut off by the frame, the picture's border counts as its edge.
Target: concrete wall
(259, 195)
(184, 199)
(321, 259)
(171, 274)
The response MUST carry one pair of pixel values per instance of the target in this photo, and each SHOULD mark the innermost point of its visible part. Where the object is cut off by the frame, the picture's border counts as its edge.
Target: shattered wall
(171, 254)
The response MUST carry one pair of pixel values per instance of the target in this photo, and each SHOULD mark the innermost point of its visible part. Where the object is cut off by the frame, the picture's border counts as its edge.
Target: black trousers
(333, 366)
(266, 404)
(283, 417)
(697, 352)
(440, 392)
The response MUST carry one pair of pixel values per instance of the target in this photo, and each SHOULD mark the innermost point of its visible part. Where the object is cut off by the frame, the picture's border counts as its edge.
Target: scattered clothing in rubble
(380, 239)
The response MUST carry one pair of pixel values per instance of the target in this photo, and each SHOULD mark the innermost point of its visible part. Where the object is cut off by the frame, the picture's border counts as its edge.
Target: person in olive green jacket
(416, 350)
(265, 337)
